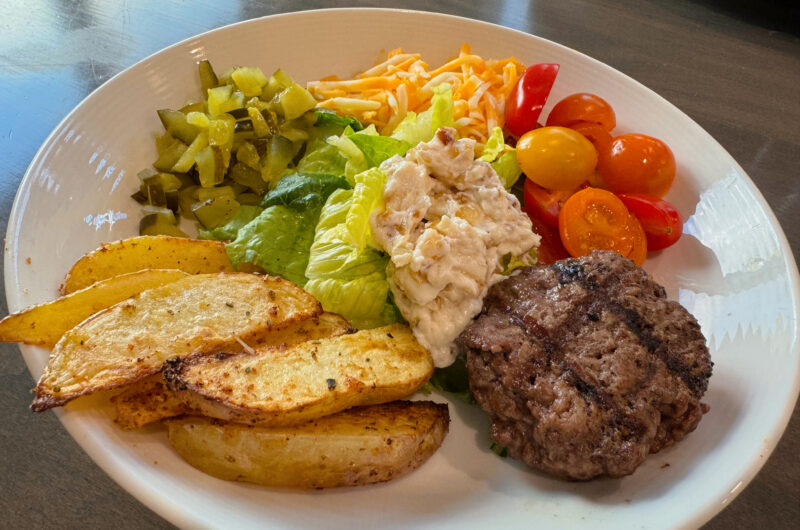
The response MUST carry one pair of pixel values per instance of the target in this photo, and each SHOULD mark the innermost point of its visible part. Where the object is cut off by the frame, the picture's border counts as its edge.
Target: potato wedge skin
(306, 381)
(192, 256)
(150, 400)
(43, 325)
(358, 446)
(200, 314)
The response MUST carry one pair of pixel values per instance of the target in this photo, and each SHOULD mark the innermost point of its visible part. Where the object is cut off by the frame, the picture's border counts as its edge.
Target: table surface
(734, 71)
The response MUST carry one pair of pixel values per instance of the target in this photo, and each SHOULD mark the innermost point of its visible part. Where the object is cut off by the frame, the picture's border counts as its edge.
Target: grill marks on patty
(599, 330)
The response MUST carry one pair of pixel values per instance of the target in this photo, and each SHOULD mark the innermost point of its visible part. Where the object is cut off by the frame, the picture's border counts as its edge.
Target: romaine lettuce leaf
(327, 117)
(278, 241)
(304, 192)
(378, 148)
(502, 157)
(507, 168)
(362, 301)
(227, 232)
(356, 161)
(416, 128)
(367, 197)
(321, 157)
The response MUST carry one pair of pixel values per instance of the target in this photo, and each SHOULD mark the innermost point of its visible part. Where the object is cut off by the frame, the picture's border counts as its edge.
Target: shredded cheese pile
(385, 93)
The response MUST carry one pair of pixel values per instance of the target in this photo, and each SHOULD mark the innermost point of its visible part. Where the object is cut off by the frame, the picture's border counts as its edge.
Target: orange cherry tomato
(544, 204)
(636, 163)
(583, 107)
(595, 219)
(556, 158)
(594, 132)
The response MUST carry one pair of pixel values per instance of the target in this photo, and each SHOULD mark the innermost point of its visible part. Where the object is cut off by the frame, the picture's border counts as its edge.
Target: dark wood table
(734, 69)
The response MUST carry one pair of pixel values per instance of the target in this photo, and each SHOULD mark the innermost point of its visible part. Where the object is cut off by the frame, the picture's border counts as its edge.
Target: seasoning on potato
(43, 325)
(199, 314)
(305, 381)
(192, 256)
(359, 446)
(149, 400)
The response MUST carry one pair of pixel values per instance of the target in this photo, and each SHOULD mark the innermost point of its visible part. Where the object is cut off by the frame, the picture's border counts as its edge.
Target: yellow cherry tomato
(556, 158)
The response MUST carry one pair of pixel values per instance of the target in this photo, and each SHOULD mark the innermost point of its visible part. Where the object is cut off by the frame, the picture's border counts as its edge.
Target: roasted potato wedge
(199, 314)
(150, 400)
(147, 252)
(44, 324)
(358, 446)
(147, 401)
(316, 378)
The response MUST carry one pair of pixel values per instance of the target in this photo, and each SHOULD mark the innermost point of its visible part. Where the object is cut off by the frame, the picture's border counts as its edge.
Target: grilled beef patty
(585, 367)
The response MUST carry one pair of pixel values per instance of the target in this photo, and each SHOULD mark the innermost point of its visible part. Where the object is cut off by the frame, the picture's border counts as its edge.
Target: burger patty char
(585, 367)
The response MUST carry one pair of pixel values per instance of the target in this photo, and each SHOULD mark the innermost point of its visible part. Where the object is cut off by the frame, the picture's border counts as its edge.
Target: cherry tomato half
(583, 107)
(528, 96)
(636, 163)
(660, 220)
(556, 158)
(595, 219)
(543, 204)
(550, 247)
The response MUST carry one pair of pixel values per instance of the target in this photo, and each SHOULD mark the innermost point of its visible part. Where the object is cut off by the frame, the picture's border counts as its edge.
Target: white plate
(733, 270)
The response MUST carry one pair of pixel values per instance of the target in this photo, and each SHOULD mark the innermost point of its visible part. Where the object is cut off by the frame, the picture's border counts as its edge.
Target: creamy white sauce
(447, 223)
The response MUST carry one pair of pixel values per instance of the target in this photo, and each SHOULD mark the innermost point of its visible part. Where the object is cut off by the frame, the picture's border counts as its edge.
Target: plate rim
(183, 516)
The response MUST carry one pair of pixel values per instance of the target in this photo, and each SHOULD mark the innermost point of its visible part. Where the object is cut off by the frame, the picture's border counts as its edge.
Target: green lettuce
(346, 274)
(502, 158)
(304, 192)
(327, 118)
(321, 157)
(227, 232)
(362, 301)
(416, 128)
(278, 241)
(377, 148)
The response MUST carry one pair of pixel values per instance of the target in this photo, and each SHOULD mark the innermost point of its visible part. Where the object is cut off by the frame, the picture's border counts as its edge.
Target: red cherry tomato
(635, 163)
(543, 204)
(583, 107)
(660, 220)
(528, 96)
(550, 247)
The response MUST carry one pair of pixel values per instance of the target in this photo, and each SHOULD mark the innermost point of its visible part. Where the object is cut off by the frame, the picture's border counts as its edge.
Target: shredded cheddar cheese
(385, 93)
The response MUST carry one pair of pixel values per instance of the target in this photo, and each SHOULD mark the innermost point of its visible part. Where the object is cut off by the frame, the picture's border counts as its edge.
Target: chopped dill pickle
(200, 106)
(198, 119)
(250, 80)
(280, 152)
(170, 150)
(247, 198)
(238, 113)
(175, 123)
(214, 212)
(166, 181)
(248, 155)
(210, 166)
(249, 177)
(187, 197)
(187, 159)
(204, 194)
(261, 127)
(173, 200)
(223, 99)
(161, 223)
(279, 82)
(208, 79)
(295, 101)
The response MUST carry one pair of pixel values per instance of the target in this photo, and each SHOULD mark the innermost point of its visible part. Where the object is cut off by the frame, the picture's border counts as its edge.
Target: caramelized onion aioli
(448, 222)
